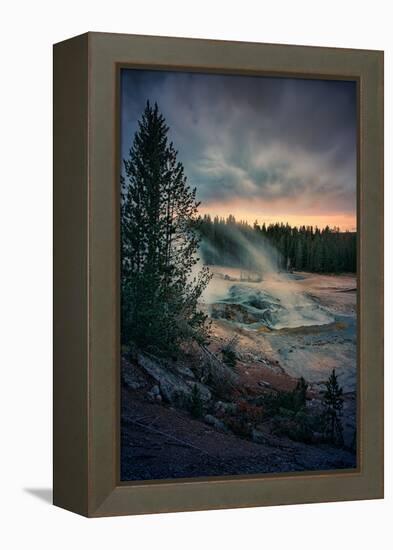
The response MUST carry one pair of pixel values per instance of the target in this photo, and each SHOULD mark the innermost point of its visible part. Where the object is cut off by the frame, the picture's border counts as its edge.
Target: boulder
(154, 394)
(215, 422)
(259, 437)
(131, 378)
(185, 371)
(171, 385)
(226, 408)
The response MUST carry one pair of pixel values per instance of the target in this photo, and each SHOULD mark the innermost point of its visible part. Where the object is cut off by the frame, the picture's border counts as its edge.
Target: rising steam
(258, 293)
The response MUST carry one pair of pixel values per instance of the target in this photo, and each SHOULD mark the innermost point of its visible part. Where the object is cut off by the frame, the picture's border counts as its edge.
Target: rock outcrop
(171, 383)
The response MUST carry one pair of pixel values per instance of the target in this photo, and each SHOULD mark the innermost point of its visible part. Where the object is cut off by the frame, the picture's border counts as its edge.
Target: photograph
(238, 274)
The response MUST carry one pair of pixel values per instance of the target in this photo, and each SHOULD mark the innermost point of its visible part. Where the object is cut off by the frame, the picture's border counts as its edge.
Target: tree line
(227, 241)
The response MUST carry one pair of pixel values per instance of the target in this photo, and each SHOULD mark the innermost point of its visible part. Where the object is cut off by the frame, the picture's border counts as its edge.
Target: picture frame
(86, 387)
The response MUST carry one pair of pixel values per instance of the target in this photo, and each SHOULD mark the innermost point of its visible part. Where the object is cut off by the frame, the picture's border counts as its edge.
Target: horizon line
(280, 221)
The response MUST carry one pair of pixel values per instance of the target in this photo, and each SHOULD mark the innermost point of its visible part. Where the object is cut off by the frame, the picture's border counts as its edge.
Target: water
(325, 338)
(276, 302)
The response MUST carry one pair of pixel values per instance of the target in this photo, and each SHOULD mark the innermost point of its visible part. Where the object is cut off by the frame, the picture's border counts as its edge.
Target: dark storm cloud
(269, 139)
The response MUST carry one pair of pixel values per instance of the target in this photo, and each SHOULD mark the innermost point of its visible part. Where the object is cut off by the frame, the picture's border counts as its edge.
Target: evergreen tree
(333, 404)
(299, 254)
(159, 214)
(195, 402)
(304, 248)
(300, 394)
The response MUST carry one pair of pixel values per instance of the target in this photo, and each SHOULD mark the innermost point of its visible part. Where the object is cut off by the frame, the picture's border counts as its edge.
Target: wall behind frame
(28, 32)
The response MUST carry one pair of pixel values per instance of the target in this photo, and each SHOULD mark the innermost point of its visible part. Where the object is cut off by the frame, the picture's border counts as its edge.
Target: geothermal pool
(307, 322)
(276, 302)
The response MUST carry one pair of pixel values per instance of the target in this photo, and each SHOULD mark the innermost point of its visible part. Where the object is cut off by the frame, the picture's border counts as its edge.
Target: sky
(260, 148)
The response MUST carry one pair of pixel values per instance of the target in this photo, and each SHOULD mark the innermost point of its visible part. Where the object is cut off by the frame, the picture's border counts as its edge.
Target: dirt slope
(159, 442)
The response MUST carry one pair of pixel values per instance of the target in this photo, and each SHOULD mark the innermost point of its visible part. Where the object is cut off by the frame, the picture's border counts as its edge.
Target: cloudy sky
(272, 149)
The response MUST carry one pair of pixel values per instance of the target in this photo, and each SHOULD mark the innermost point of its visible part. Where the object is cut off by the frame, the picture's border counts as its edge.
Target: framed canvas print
(218, 274)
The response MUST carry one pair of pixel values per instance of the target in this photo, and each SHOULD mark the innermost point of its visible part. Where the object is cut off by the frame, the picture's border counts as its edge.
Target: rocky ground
(161, 442)
(202, 415)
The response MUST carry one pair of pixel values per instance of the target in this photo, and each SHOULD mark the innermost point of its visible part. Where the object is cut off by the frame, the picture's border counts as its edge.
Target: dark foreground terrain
(160, 442)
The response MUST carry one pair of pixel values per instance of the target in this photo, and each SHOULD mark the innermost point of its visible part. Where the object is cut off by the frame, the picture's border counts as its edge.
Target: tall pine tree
(159, 220)
(333, 405)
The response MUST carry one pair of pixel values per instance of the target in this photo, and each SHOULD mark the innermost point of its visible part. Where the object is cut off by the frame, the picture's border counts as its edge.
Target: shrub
(220, 378)
(251, 413)
(245, 419)
(239, 426)
(195, 402)
(228, 353)
(285, 402)
(299, 394)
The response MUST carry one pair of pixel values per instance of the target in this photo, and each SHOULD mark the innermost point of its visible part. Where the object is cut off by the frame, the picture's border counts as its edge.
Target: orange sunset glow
(250, 213)
(265, 149)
